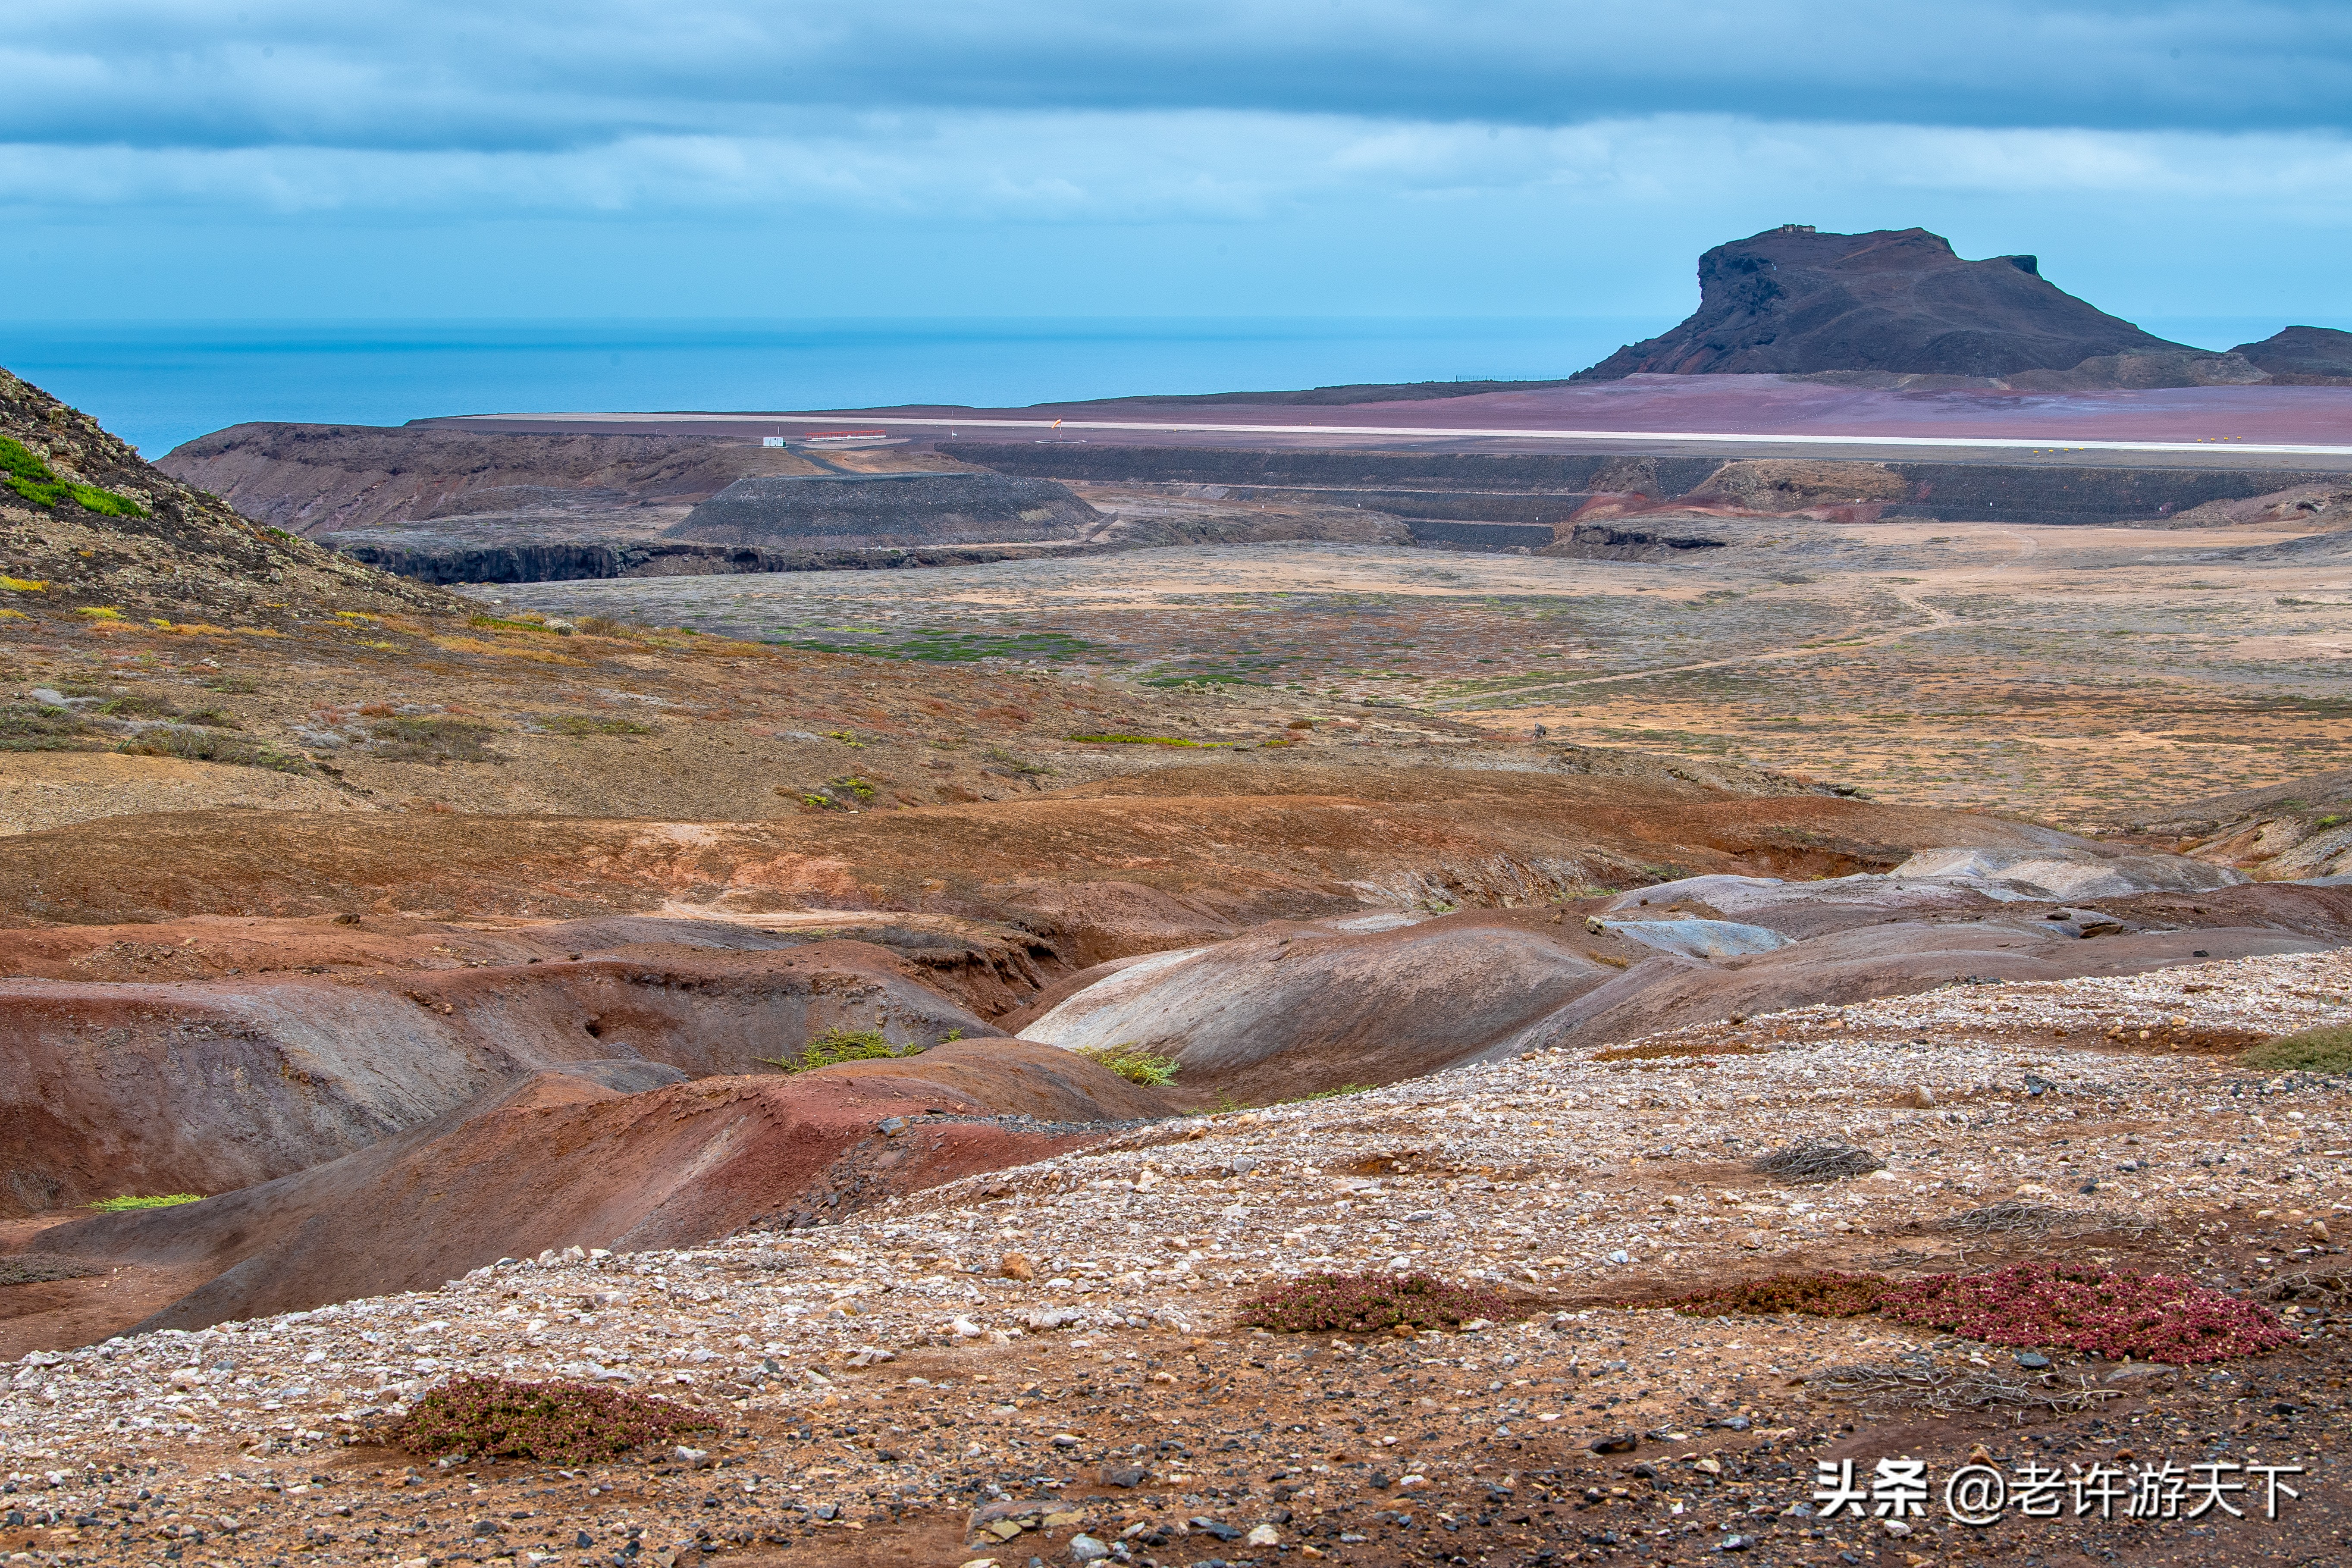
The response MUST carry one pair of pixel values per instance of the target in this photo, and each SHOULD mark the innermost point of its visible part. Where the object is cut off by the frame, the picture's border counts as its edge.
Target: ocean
(159, 384)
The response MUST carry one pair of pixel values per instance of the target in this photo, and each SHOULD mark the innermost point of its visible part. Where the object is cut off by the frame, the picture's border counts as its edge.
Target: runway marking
(2041, 443)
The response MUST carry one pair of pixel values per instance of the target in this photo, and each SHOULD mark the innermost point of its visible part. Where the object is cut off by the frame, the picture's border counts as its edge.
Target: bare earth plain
(465, 932)
(2080, 676)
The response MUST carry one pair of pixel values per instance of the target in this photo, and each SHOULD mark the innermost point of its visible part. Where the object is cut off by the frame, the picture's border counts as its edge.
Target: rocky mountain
(2302, 353)
(85, 522)
(1791, 300)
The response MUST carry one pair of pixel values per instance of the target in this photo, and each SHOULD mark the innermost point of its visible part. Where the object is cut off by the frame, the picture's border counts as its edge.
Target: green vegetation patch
(206, 745)
(1134, 1063)
(844, 794)
(544, 1423)
(1139, 741)
(1369, 1303)
(839, 1045)
(583, 725)
(33, 726)
(2327, 1049)
(140, 705)
(968, 647)
(433, 738)
(150, 1201)
(30, 477)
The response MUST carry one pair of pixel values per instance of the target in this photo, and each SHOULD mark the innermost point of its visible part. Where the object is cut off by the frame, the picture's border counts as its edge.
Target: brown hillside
(171, 551)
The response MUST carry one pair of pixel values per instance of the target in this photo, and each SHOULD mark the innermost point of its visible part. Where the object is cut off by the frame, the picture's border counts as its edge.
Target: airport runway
(2300, 427)
(2232, 452)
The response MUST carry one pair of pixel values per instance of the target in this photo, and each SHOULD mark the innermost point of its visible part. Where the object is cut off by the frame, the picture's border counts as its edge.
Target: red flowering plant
(2152, 1317)
(553, 1422)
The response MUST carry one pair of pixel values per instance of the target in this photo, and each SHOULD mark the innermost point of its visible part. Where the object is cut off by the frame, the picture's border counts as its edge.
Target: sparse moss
(1134, 740)
(150, 1201)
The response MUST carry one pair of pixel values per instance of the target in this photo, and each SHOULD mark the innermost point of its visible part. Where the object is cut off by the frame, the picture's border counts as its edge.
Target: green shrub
(1367, 1303)
(1133, 1063)
(432, 739)
(138, 705)
(30, 477)
(546, 1422)
(2327, 1049)
(155, 1201)
(840, 1044)
(28, 726)
(191, 745)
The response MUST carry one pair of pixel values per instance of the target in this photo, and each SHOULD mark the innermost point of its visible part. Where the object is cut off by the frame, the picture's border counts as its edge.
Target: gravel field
(877, 1385)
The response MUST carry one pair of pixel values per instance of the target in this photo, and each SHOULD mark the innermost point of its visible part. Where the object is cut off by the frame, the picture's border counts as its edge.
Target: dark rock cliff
(1790, 301)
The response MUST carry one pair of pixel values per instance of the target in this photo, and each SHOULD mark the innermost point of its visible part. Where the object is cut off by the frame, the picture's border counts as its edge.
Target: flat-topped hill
(1791, 301)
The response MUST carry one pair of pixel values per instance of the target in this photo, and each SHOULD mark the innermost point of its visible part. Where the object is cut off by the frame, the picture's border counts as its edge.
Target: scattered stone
(1086, 1548)
(1618, 1443)
(1013, 1266)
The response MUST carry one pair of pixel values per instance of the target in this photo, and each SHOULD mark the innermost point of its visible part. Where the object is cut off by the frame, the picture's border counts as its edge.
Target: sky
(433, 160)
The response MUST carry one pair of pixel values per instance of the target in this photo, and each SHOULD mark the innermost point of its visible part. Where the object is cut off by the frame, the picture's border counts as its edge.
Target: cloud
(1204, 166)
(537, 76)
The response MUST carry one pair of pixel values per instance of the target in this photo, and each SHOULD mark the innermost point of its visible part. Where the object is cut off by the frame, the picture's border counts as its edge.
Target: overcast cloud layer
(1076, 156)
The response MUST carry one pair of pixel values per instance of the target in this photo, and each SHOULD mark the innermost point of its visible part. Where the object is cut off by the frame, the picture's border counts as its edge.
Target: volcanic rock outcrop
(2302, 354)
(324, 478)
(1791, 301)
